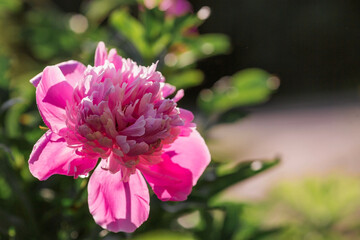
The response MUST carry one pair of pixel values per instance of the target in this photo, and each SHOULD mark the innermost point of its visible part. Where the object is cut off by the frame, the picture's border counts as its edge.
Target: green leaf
(231, 221)
(212, 44)
(231, 116)
(49, 36)
(186, 79)
(265, 233)
(160, 45)
(153, 20)
(183, 23)
(4, 67)
(164, 235)
(209, 229)
(4, 86)
(324, 200)
(247, 87)
(5, 190)
(98, 10)
(244, 170)
(203, 46)
(15, 111)
(17, 186)
(132, 29)
(11, 5)
(9, 103)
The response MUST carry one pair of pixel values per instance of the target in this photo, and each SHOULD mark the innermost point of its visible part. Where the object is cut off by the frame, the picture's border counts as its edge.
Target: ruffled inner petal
(100, 54)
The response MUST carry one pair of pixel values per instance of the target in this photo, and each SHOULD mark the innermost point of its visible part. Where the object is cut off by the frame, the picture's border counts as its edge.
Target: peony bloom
(117, 112)
(171, 7)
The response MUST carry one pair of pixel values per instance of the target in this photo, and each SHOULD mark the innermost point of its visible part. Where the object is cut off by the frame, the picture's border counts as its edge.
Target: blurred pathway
(312, 138)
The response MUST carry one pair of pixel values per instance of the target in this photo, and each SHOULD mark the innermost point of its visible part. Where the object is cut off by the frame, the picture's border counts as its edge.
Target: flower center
(120, 117)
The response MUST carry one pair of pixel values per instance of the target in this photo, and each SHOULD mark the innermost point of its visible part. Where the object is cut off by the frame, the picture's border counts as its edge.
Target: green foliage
(323, 201)
(132, 29)
(49, 35)
(186, 79)
(231, 116)
(221, 180)
(9, 5)
(314, 208)
(164, 235)
(207, 45)
(4, 66)
(247, 87)
(97, 10)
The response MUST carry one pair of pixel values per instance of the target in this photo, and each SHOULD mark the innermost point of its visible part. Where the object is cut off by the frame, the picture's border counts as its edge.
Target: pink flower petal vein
(118, 112)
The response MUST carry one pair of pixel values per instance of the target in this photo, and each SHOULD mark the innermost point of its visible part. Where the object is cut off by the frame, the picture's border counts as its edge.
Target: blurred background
(297, 100)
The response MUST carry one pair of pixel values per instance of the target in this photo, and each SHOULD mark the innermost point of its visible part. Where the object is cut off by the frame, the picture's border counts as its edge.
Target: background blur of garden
(267, 81)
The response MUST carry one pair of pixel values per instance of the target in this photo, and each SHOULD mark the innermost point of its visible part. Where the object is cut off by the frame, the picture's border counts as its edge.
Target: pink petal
(51, 155)
(52, 93)
(168, 90)
(181, 7)
(72, 70)
(168, 180)
(183, 163)
(111, 163)
(100, 54)
(58, 94)
(117, 205)
(179, 95)
(191, 153)
(188, 117)
(136, 129)
(175, 7)
(115, 59)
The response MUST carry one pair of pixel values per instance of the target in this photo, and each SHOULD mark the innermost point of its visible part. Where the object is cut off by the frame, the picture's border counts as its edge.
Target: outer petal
(168, 180)
(117, 205)
(100, 54)
(51, 155)
(191, 153)
(52, 93)
(72, 70)
(183, 163)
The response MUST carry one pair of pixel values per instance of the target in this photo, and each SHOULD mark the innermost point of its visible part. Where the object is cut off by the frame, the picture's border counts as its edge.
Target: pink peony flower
(171, 7)
(175, 7)
(117, 112)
